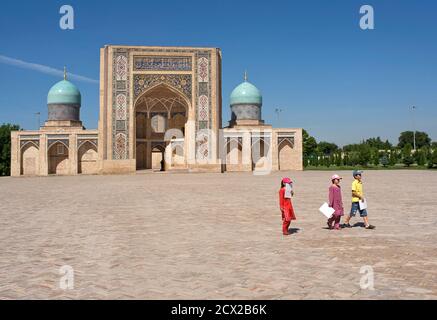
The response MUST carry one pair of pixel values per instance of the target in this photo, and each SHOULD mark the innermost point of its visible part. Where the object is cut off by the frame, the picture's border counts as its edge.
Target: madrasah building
(160, 110)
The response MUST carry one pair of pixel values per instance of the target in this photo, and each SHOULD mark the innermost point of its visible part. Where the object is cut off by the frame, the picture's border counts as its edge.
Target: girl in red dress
(285, 204)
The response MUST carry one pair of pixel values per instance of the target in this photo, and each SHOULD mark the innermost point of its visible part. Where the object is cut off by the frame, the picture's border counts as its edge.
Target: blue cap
(357, 172)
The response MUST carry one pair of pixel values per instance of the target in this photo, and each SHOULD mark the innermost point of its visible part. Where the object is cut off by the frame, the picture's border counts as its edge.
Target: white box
(326, 210)
(363, 204)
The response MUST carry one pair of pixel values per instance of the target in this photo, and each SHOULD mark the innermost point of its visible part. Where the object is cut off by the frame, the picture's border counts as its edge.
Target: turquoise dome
(246, 93)
(64, 92)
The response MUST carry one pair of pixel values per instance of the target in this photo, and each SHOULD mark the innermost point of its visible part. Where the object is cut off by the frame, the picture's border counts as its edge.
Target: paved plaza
(214, 236)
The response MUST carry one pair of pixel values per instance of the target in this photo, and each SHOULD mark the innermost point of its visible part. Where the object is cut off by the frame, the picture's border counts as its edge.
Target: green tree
(326, 161)
(407, 137)
(351, 147)
(393, 159)
(433, 160)
(385, 160)
(338, 159)
(429, 154)
(364, 154)
(332, 159)
(327, 148)
(309, 148)
(387, 145)
(421, 156)
(353, 158)
(377, 143)
(375, 157)
(407, 158)
(309, 143)
(346, 158)
(5, 148)
(316, 160)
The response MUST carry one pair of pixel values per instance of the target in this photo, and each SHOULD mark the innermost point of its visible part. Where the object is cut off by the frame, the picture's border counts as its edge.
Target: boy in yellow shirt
(357, 196)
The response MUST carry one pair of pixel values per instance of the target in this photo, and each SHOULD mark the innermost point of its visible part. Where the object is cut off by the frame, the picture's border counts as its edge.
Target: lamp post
(38, 116)
(414, 127)
(278, 111)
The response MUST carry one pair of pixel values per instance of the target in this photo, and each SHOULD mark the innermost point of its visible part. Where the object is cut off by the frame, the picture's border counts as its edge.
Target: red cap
(286, 180)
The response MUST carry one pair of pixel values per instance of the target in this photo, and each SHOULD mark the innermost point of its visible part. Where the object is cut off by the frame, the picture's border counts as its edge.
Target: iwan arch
(160, 109)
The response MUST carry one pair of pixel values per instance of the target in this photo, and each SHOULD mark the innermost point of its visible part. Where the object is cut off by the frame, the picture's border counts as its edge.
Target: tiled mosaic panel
(120, 135)
(121, 105)
(203, 69)
(203, 105)
(120, 146)
(180, 82)
(203, 108)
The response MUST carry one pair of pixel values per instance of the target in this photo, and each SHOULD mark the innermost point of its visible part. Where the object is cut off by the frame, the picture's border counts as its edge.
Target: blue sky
(309, 58)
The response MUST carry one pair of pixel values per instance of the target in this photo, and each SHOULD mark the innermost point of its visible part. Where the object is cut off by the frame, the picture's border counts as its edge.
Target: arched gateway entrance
(159, 109)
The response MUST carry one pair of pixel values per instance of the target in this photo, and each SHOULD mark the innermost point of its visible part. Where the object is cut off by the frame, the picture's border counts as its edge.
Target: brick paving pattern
(214, 236)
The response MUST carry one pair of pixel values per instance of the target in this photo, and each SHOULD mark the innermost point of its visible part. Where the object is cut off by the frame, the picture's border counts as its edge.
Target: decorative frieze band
(162, 63)
(29, 137)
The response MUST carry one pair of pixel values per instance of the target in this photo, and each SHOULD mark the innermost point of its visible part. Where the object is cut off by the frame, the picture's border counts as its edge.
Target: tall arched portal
(158, 110)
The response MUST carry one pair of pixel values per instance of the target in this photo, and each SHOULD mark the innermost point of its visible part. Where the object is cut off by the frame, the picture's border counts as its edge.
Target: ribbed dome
(246, 93)
(64, 92)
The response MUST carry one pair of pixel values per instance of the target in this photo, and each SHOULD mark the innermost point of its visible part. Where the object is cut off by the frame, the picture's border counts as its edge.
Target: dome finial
(245, 75)
(65, 73)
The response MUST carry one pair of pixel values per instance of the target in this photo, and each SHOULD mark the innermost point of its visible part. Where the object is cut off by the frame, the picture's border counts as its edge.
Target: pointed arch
(29, 159)
(158, 109)
(26, 144)
(289, 141)
(87, 158)
(56, 142)
(158, 148)
(163, 85)
(233, 151)
(58, 158)
(260, 152)
(285, 155)
(82, 142)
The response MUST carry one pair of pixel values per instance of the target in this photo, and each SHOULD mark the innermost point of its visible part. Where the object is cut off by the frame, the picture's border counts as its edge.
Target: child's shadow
(359, 224)
(293, 230)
